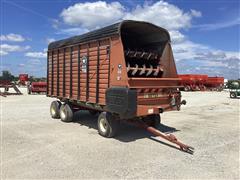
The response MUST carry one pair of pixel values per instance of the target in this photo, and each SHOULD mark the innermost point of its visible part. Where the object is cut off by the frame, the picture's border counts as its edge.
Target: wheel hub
(53, 112)
(103, 125)
(63, 114)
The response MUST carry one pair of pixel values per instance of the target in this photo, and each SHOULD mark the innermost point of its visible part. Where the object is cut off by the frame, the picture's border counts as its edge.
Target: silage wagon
(125, 71)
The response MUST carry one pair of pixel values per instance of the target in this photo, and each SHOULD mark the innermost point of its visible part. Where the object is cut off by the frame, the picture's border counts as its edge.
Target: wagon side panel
(49, 74)
(98, 64)
(67, 73)
(80, 72)
(60, 76)
(74, 94)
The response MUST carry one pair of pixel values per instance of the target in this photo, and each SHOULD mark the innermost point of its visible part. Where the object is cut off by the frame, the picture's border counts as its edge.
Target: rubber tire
(111, 123)
(233, 95)
(93, 112)
(187, 88)
(56, 107)
(154, 120)
(66, 113)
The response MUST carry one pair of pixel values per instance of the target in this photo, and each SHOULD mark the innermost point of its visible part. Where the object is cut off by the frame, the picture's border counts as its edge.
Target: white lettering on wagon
(84, 64)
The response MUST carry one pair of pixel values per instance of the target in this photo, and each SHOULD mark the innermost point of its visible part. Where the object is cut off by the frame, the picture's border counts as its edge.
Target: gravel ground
(34, 146)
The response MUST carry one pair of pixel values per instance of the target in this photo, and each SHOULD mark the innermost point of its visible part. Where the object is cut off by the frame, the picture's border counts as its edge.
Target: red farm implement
(215, 83)
(23, 78)
(193, 82)
(37, 87)
(6, 85)
(196, 82)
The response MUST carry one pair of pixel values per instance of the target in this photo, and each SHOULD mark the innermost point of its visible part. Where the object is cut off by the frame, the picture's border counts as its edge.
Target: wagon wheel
(107, 124)
(187, 88)
(197, 88)
(54, 109)
(66, 113)
(233, 95)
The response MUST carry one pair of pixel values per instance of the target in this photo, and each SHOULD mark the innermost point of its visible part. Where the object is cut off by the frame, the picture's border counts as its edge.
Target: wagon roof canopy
(138, 27)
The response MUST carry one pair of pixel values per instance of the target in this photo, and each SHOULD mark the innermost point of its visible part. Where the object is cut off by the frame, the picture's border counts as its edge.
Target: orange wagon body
(126, 68)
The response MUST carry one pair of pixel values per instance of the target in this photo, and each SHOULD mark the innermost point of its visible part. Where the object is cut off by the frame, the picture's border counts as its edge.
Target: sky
(204, 33)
